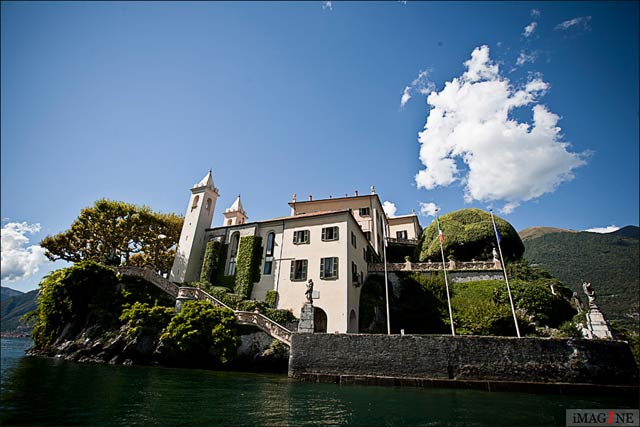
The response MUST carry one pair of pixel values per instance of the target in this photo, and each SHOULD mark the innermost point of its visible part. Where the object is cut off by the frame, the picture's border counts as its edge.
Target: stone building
(330, 241)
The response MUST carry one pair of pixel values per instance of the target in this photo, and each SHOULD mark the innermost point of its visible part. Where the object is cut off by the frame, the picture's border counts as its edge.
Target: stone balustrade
(436, 266)
(150, 276)
(272, 328)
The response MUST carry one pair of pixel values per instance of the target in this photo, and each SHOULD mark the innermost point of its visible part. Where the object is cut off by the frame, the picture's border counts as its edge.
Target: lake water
(39, 391)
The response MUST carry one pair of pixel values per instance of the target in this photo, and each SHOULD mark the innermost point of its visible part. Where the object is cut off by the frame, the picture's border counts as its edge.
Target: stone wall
(464, 358)
(472, 276)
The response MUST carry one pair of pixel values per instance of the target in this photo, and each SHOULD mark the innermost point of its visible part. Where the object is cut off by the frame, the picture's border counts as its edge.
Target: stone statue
(309, 292)
(495, 254)
(591, 294)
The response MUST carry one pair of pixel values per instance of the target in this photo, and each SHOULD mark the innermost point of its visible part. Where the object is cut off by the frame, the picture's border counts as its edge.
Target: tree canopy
(118, 233)
(469, 234)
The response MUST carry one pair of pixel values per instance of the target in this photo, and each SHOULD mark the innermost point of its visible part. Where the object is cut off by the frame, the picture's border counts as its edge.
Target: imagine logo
(602, 417)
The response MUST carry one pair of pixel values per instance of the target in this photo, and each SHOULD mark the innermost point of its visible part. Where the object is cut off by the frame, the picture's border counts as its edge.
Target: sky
(527, 108)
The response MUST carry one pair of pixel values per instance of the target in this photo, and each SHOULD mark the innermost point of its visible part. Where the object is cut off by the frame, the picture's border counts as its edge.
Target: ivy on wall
(248, 264)
(211, 254)
(271, 298)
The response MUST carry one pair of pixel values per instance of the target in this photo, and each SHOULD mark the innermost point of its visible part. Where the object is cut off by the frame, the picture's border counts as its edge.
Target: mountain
(12, 308)
(610, 262)
(535, 232)
(7, 293)
(630, 231)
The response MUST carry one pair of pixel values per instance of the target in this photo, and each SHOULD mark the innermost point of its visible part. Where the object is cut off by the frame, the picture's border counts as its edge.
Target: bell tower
(235, 214)
(202, 203)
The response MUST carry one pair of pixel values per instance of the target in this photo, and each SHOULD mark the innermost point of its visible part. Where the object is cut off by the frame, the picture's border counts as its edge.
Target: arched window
(195, 202)
(268, 258)
(207, 206)
(235, 241)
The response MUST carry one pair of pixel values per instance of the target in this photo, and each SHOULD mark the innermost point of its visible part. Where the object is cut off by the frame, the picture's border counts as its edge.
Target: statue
(495, 254)
(309, 292)
(591, 294)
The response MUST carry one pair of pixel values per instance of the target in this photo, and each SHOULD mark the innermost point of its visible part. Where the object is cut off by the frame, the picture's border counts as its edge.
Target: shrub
(136, 289)
(271, 298)
(203, 331)
(143, 319)
(281, 317)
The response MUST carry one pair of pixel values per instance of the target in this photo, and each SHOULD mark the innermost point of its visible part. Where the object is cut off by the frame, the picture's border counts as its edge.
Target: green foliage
(112, 233)
(271, 298)
(624, 333)
(281, 317)
(211, 255)
(248, 264)
(610, 262)
(251, 305)
(203, 331)
(570, 330)
(143, 319)
(469, 234)
(136, 289)
(84, 293)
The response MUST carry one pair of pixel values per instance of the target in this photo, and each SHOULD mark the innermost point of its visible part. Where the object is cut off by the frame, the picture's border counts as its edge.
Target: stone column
(184, 294)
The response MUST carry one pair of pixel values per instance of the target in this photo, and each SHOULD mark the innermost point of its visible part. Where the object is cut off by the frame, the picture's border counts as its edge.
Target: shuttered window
(300, 237)
(329, 268)
(329, 234)
(298, 270)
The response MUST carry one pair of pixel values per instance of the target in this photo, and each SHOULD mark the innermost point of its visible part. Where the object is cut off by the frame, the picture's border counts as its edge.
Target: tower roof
(236, 206)
(207, 181)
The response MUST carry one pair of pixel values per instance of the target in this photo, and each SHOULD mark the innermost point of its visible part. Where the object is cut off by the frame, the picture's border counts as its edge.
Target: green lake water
(40, 391)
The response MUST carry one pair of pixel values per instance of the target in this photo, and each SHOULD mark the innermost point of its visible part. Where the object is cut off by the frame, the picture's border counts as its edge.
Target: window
(207, 206)
(364, 254)
(367, 234)
(401, 234)
(195, 202)
(354, 272)
(329, 268)
(353, 239)
(329, 233)
(299, 270)
(268, 259)
(235, 239)
(301, 237)
(365, 212)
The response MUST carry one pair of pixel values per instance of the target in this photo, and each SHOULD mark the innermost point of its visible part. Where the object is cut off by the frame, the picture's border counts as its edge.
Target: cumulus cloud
(420, 85)
(327, 5)
(529, 29)
(389, 208)
(581, 22)
(428, 209)
(535, 13)
(609, 229)
(20, 261)
(470, 137)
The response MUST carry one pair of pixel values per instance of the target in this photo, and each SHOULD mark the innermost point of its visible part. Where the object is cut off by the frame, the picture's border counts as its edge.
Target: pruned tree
(118, 233)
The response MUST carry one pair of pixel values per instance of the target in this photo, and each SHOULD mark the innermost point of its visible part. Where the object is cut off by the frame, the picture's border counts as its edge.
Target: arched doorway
(353, 322)
(319, 320)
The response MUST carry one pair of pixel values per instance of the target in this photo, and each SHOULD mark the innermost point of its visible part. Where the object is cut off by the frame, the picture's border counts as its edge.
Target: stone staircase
(184, 293)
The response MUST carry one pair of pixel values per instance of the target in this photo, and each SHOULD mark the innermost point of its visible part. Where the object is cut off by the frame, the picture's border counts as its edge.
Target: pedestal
(306, 319)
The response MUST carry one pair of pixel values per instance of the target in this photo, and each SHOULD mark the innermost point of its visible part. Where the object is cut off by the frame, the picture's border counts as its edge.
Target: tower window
(353, 239)
(195, 202)
(207, 206)
(235, 240)
(268, 259)
(365, 212)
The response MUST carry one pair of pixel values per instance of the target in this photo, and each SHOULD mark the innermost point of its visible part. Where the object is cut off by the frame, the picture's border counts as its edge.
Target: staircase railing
(150, 276)
(272, 328)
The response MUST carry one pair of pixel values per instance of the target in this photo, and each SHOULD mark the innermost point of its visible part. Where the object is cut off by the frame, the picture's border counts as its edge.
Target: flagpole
(506, 277)
(386, 281)
(446, 282)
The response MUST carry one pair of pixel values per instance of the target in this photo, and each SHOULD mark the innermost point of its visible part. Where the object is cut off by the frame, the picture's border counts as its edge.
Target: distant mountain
(535, 232)
(609, 261)
(630, 231)
(7, 293)
(12, 308)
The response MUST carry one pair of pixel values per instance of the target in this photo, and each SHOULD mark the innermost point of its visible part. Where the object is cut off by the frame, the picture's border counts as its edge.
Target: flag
(440, 235)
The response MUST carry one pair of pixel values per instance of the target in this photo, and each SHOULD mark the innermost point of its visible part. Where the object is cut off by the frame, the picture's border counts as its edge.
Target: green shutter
(304, 269)
(322, 268)
(293, 269)
(335, 268)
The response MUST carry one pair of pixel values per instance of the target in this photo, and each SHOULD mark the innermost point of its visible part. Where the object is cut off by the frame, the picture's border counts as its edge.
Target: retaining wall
(463, 358)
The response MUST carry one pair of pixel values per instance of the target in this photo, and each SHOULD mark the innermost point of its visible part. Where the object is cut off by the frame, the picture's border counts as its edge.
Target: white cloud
(428, 209)
(471, 138)
(535, 13)
(389, 208)
(581, 22)
(525, 57)
(327, 5)
(420, 84)
(529, 29)
(20, 261)
(609, 229)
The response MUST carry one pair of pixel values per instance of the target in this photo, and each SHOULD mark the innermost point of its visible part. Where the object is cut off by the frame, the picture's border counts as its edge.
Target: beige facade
(327, 241)
(404, 227)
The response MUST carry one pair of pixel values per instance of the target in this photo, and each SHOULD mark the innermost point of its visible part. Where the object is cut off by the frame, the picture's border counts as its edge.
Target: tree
(468, 234)
(118, 233)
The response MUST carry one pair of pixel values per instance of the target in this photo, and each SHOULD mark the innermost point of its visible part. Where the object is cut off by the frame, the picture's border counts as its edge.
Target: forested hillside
(609, 261)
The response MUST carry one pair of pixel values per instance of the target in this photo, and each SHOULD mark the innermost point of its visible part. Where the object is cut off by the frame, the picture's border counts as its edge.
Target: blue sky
(137, 101)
